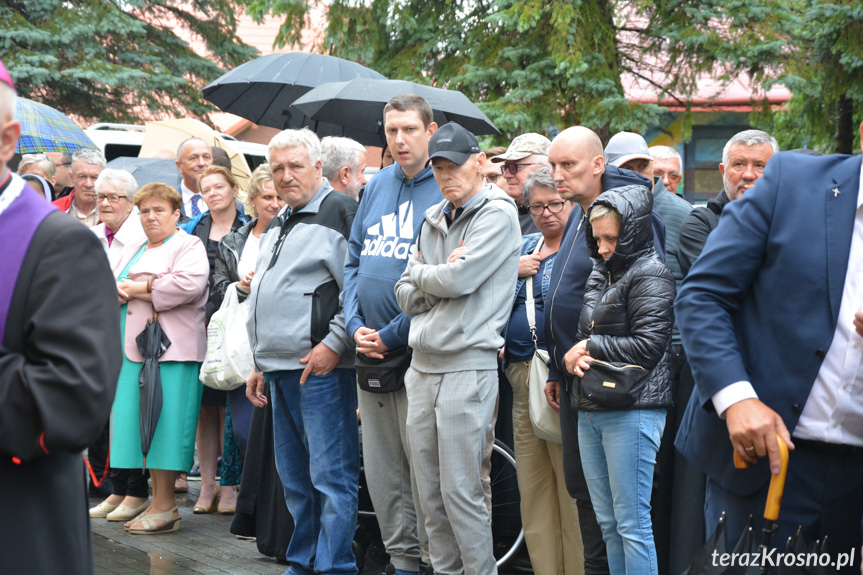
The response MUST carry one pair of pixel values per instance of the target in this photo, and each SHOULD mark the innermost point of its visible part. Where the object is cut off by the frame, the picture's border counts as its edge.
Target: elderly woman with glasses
(548, 513)
(122, 236)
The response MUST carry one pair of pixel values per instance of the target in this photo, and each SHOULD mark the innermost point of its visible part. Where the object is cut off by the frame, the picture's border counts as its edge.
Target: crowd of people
(659, 338)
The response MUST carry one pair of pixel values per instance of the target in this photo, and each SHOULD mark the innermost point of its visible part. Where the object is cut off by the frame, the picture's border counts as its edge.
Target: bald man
(580, 175)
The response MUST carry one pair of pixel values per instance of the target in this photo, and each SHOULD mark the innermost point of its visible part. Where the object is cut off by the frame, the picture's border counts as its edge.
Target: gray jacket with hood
(295, 301)
(459, 309)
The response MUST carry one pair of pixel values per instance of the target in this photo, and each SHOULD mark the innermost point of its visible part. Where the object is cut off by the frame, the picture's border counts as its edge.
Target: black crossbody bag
(383, 375)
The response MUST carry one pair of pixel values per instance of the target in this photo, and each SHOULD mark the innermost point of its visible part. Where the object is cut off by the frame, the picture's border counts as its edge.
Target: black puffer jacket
(632, 323)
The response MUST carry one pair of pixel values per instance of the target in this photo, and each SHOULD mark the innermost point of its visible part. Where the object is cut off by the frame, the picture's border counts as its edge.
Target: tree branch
(655, 85)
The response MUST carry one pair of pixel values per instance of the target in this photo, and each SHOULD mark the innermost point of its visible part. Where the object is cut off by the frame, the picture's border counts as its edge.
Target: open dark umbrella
(148, 170)
(152, 343)
(264, 89)
(360, 104)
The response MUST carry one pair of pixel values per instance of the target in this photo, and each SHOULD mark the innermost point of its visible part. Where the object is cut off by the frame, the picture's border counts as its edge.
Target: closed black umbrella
(360, 104)
(264, 89)
(148, 170)
(152, 343)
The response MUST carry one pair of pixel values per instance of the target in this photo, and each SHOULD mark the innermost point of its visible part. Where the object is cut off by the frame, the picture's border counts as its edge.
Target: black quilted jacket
(632, 322)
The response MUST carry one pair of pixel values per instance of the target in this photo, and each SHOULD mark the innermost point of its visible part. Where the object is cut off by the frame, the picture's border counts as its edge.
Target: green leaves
(112, 61)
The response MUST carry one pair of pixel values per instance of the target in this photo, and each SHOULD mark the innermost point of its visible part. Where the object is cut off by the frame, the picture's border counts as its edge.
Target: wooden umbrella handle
(777, 482)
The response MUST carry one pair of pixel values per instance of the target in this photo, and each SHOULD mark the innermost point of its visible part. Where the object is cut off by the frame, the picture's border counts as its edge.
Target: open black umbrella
(152, 343)
(148, 170)
(360, 104)
(264, 89)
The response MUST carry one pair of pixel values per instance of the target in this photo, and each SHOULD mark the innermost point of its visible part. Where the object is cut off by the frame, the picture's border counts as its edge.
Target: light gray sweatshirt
(459, 309)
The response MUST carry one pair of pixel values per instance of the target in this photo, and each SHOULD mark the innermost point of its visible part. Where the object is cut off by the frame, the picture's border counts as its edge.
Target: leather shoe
(200, 509)
(102, 510)
(126, 513)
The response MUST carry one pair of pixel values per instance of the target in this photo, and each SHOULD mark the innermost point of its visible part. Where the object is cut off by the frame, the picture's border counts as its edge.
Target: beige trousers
(548, 513)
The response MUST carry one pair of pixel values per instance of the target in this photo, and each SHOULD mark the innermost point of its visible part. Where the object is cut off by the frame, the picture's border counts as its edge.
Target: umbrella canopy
(148, 170)
(360, 104)
(264, 89)
(169, 134)
(44, 129)
(152, 343)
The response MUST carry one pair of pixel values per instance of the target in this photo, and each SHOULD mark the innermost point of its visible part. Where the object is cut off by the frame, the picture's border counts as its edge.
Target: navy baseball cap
(453, 142)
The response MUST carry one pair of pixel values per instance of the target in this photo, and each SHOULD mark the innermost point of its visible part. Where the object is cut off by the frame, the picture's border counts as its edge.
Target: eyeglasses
(513, 168)
(112, 199)
(672, 176)
(63, 164)
(553, 207)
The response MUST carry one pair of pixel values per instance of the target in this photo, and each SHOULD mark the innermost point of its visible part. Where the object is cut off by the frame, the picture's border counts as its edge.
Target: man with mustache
(744, 158)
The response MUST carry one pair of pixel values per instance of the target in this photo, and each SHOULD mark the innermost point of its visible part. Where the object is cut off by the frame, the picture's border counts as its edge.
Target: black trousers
(595, 558)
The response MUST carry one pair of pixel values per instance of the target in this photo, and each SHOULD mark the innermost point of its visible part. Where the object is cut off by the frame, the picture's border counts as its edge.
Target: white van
(125, 140)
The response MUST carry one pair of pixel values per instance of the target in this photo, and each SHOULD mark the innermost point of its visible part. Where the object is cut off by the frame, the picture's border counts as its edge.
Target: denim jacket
(528, 243)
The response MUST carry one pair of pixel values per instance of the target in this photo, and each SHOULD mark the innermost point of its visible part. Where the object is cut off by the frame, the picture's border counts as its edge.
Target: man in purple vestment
(60, 357)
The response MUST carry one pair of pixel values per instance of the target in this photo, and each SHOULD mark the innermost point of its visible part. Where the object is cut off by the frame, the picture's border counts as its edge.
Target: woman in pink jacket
(169, 275)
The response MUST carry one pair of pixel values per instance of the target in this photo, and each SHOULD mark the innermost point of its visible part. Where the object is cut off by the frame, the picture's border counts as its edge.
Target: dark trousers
(595, 559)
(678, 489)
(130, 482)
(823, 494)
(97, 456)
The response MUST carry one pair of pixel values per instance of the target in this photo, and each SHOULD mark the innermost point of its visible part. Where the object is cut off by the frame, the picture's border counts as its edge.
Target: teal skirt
(173, 445)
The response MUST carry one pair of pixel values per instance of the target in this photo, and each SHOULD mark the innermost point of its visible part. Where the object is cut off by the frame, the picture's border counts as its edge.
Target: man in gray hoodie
(457, 288)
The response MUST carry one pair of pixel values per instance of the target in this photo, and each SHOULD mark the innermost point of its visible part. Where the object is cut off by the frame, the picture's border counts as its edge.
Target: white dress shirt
(127, 241)
(187, 200)
(833, 412)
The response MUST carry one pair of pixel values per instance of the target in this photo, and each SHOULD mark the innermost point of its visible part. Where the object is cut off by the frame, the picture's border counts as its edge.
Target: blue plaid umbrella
(44, 129)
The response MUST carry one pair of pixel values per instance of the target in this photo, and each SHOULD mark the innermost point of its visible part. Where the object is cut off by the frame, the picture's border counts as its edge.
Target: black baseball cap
(453, 142)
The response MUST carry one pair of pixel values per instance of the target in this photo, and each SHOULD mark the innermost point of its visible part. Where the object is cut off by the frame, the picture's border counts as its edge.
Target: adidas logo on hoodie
(393, 236)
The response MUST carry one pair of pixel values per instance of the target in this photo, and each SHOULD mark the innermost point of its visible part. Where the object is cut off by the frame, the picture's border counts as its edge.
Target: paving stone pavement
(203, 545)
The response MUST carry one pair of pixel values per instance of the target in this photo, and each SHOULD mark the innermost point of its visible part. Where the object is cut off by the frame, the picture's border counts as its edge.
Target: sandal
(181, 484)
(150, 526)
(130, 522)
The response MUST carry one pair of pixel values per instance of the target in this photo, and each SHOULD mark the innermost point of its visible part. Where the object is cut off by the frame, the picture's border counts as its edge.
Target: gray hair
(88, 156)
(40, 161)
(338, 152)
(665, 153)
(539, 178)
(749, 138)
(186, 141)
(294, 138)
(120, 180)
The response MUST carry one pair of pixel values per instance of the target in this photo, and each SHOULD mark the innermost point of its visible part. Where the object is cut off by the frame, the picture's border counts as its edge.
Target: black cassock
(60, 356)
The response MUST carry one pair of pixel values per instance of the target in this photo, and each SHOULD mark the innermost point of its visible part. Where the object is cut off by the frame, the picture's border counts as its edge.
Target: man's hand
(552, 394)
(577, 359)
(528, 265)
(369, 342)
(255, 389)
(858, 323)
(753, 427)
(456, 254)
(320, 361)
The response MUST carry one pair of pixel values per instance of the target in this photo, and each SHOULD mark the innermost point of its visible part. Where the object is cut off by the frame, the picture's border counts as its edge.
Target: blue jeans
(316, 445)
(618, 453)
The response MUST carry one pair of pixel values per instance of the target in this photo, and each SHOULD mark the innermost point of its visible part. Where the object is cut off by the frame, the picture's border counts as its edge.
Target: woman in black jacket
(626, 321)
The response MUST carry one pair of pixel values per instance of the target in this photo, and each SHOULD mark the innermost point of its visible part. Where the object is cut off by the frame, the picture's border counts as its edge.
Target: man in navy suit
(771, 320)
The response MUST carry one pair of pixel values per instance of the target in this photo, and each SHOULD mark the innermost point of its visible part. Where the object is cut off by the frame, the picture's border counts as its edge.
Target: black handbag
(383, 375)
(613, 385)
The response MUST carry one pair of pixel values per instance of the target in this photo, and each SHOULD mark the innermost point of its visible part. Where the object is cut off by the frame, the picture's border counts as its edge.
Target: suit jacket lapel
(840, 211)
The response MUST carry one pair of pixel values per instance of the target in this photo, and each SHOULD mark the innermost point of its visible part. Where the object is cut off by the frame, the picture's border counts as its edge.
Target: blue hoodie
(572, 266)
(382, 238)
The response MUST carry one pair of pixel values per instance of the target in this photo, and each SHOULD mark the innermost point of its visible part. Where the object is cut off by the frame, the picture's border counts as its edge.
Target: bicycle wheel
(507, 532)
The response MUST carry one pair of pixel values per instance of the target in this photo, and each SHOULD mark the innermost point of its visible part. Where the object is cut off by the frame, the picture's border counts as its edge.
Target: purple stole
(18, 224)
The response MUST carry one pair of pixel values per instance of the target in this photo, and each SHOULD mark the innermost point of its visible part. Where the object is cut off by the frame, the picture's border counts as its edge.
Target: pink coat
(180, 293)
